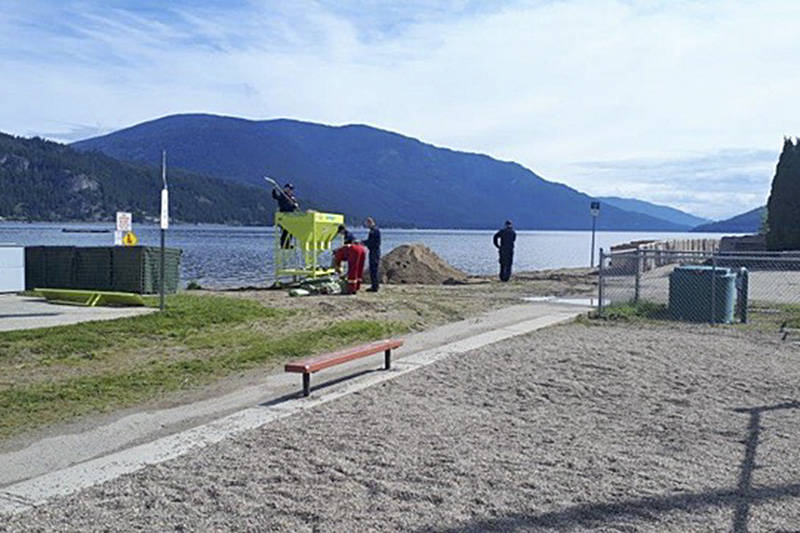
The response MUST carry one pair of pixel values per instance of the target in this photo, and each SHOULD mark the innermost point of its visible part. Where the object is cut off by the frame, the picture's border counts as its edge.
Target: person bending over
(354, 255)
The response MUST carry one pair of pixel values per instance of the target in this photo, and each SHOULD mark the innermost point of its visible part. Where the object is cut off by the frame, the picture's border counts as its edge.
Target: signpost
(124, 225)
(594, 208)
(164, 220)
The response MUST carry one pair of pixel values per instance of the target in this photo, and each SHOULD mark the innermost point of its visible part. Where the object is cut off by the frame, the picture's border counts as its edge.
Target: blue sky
(678, 102)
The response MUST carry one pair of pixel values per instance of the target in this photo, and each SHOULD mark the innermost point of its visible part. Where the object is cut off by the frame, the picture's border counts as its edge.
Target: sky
(678, 102)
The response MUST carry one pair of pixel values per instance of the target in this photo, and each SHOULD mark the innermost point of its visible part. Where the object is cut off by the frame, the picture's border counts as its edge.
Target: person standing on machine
(504, 242)
(287, 203)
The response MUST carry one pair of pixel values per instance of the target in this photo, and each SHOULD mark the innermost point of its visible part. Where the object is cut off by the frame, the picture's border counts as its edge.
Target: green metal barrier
(101, 268)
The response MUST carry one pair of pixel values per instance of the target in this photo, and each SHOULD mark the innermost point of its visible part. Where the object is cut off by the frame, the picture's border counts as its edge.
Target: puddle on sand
(586, 302)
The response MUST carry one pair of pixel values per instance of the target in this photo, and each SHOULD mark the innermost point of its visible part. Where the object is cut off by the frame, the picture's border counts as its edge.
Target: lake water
(223, 256)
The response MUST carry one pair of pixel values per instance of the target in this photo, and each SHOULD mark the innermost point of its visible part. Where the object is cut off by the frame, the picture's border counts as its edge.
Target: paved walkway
(66, 464)
(26, 312)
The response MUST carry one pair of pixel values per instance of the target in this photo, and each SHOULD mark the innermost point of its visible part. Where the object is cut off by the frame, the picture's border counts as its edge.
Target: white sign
(164, 209)
(124, 221)
(118, 238)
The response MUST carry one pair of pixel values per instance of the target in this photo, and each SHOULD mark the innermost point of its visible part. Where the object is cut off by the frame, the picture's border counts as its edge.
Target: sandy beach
(572, 428)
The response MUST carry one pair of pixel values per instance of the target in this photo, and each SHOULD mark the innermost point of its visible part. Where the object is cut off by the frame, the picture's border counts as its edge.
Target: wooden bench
(309, 365)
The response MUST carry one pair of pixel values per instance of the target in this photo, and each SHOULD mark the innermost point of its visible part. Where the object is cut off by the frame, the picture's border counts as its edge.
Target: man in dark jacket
(504, 242)
(373, 244)
(287, 203)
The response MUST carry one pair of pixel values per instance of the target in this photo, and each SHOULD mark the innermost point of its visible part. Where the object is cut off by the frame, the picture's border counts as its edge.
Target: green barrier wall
(103, 268)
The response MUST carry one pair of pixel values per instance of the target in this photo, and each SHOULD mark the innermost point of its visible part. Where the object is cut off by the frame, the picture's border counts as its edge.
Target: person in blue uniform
(287, 203)
(373, 244)
(504, 242)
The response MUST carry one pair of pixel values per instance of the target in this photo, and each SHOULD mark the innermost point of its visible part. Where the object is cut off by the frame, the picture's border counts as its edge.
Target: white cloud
(548, 84)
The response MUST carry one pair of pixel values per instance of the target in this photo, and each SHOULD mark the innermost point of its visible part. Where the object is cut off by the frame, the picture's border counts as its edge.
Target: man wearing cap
(287, 203)
(504, 242)
(354, 255)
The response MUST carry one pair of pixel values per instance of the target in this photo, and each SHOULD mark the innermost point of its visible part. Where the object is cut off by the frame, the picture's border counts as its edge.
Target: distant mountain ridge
(655, 210)
(749, 222)
(359, 170)
(46, 181)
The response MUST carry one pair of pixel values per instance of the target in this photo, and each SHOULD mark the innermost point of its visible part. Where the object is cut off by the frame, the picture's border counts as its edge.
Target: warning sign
(130, 239)
(124, 221)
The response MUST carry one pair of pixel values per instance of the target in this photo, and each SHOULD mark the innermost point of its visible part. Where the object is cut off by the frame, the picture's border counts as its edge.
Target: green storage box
(35, 267)
(694, 297)
(101, 268)
(137, 269)
(93, 268)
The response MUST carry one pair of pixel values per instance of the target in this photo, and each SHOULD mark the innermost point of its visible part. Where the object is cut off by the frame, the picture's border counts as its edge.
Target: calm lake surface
(224, 257)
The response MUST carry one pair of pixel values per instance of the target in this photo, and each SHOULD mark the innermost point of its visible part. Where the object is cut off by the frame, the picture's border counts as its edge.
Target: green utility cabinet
(700, 293)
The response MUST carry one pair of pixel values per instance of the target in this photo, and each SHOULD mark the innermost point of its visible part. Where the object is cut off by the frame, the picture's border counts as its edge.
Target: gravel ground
(613, 428)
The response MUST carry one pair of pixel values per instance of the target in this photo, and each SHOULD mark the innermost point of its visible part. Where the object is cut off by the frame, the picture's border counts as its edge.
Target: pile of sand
(416, 264)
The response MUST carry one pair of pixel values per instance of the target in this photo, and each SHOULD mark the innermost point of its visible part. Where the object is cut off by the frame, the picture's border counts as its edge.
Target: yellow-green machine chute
(313, 234)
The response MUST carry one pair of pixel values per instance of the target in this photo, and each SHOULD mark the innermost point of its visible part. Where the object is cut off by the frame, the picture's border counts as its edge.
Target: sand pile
(416, 264)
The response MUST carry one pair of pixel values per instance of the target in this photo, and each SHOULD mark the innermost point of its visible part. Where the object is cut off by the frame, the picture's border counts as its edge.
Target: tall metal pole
(594, 209)
(164, 222)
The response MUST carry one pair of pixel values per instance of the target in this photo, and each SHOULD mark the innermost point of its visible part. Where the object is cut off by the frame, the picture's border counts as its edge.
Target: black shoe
(372, 289)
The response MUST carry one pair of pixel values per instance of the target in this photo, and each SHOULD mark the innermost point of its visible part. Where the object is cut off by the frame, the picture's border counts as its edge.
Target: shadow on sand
(595, 514)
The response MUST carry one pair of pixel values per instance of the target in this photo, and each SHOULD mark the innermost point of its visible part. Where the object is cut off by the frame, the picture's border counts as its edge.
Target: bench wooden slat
(308, 365)
(318, 362)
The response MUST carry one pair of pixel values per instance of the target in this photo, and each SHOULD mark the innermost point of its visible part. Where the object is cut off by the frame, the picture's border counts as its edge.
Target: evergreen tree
(783, 207)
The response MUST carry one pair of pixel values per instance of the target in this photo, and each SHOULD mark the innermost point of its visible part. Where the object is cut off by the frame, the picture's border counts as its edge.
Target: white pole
(164, 221)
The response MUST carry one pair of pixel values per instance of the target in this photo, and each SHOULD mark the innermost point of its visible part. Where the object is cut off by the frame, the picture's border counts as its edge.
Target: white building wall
(12, 268)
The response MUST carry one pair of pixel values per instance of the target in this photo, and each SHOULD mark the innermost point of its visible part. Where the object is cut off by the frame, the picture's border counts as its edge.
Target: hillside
(43, 180)
(749, 222)
(360, 170)
(663, 212)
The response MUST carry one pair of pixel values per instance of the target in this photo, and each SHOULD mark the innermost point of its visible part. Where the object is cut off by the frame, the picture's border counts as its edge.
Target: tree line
(46, 181)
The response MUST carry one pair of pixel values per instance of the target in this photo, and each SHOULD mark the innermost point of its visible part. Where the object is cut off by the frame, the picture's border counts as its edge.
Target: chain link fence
(701, 286)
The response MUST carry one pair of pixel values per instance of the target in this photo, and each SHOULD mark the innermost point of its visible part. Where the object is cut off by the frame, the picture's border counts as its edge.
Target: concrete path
(65, 464)
(26, 312)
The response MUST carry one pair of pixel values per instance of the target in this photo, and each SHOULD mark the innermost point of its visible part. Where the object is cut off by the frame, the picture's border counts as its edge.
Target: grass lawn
(56, 374)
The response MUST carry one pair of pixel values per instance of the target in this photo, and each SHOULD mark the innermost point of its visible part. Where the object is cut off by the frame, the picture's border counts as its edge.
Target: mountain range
(749, 222)
(360, 170)
(217, 165)
(663, 212)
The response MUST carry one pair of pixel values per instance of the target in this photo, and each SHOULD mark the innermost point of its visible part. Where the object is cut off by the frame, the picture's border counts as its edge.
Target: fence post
(741, 297)
(713, 288)
(636, 287)
(600, 283)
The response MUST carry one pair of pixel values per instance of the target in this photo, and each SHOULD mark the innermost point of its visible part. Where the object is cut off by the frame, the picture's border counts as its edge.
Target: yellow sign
(130, 239)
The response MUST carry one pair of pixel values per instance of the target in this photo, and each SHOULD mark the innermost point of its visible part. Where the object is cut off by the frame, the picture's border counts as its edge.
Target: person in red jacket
(354, 255)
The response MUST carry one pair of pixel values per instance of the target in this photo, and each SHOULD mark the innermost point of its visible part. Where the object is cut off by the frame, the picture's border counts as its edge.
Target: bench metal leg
(387, 359)
(306, 384)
